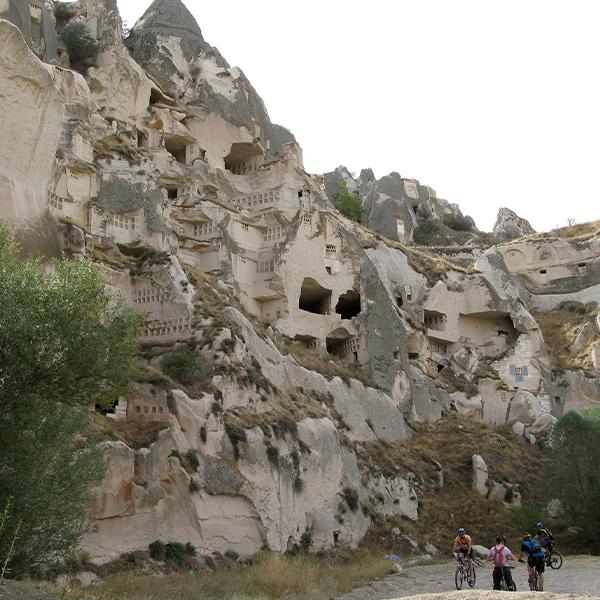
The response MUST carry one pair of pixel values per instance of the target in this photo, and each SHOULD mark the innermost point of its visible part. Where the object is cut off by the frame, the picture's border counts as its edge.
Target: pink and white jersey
(500, 553)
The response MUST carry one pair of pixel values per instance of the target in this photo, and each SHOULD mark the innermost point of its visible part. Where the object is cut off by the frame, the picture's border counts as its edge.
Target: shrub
(236, 435)
(428, 233)
(305, 542)
(273, 455)
(524, 518)
(283, 426)
(63, 12)
(295, 456)
(231, 554)
(348, 204)
(191, 457)
(66, 345)
(189, 461)
(184, 365)
(157, 550)
(572, 469)
(81, 45)
(298, 484)
(194, 488)
(203, 434)
(351, 498)
(179, 553)
(459, 222)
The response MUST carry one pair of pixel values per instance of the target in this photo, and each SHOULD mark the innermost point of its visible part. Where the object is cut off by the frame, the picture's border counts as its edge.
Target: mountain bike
(554, 559)
(504, 585)
(465, 571)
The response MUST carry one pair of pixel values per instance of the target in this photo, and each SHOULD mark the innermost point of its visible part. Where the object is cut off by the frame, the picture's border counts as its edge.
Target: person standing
(500, 554)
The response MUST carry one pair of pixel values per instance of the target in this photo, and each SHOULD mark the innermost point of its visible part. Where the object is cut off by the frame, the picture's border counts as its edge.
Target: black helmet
(461, 532)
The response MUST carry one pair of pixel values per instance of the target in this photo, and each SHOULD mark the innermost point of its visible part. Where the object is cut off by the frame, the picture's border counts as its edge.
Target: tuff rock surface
(510, 226)
(318, 340)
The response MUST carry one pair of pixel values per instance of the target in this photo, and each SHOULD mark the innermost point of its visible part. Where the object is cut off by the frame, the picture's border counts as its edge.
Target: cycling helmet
(461, 532)
(539, 526)
(527, 536)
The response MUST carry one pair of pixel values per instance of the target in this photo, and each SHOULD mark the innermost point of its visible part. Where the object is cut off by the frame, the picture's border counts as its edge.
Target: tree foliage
(65, 346)
(572, 471)
(81, 45)
(348, 204)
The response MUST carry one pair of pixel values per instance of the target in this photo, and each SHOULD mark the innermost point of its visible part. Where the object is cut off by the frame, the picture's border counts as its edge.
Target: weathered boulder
(555, 508)
(526, 408)
(596, 356)
(467, 406)
(543, 425)
(585, 335)
(510, 226)
(115, 497)
(480, 551)
(465, 361)
(480, 475)
(393, 497)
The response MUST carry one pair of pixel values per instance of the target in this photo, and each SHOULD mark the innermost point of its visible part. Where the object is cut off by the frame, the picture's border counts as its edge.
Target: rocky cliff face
(312, 339)
(510, 226)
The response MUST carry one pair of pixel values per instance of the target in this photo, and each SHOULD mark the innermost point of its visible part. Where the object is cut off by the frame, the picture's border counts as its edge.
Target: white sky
(491, 102)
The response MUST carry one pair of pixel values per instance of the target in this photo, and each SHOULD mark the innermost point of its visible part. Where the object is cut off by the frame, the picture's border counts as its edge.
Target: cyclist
(535, 557)
(544, 537)
(500, 554)
(462, 544)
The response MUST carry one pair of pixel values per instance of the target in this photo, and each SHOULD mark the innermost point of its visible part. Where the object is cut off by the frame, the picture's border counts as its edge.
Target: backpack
(535, 549)
(499, 558)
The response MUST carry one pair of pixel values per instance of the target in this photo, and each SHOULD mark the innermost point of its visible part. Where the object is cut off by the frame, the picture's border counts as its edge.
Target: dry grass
(291, 408)
(269, 576)
(452, 443)
(329, 367)
(580, 232)
(560, 328)
(135, 435)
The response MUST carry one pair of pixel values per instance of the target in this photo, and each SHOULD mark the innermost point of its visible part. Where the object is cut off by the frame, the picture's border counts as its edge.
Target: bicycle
(465, 571)
(553, 559)
(504, 585)
(534, 580)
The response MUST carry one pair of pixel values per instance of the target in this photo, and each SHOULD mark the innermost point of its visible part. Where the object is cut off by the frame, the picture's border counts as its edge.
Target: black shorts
(538, 563)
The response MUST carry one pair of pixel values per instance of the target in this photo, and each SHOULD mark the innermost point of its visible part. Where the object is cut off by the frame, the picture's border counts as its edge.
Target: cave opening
(348, 305)
(314, 298)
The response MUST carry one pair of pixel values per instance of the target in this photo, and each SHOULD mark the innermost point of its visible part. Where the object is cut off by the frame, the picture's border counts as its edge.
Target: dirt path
(578, 575)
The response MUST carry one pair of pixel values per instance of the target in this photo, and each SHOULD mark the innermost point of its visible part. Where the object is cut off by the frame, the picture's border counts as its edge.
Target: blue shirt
(532, 548)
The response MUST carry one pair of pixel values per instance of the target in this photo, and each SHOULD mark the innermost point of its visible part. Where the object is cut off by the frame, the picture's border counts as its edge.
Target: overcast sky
(492, 103)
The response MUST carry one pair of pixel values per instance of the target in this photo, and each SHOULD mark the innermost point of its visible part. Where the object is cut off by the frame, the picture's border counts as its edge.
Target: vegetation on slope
(560, 327)
(264, 577)
(348, 204)
(65, 346)
(572, 470)
(451, 444)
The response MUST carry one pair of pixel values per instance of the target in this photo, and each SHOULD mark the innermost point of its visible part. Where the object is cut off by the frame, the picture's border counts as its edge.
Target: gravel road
(579, 575)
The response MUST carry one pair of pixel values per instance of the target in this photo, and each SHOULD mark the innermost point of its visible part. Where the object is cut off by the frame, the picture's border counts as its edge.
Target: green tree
(572, 469)
(348, 204)
(66, 345)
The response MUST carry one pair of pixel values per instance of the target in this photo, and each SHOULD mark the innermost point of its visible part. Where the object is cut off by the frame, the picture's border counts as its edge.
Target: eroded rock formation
(313, 336)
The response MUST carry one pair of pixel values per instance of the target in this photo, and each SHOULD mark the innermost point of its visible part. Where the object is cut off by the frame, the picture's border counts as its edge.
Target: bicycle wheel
(471, 575)
(458, 578)
(512, 587)
(532, 582)
(554, 560)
